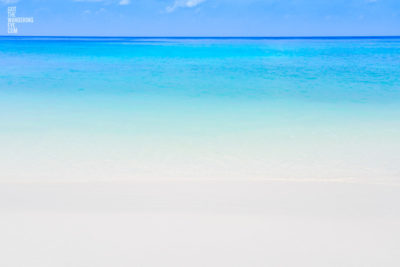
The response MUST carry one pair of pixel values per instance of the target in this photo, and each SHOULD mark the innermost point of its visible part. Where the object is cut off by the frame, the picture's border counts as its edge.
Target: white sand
(199, 224)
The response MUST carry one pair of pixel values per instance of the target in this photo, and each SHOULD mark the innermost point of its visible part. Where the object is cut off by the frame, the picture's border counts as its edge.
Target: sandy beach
(199, 224)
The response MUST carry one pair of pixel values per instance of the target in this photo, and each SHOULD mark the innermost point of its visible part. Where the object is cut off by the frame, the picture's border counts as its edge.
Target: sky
(205, 17)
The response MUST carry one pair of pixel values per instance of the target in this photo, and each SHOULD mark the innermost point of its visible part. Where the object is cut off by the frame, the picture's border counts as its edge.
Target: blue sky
(206, 17)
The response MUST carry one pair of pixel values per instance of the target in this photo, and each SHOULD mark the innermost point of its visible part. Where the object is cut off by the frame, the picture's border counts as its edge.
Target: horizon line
(210, 37)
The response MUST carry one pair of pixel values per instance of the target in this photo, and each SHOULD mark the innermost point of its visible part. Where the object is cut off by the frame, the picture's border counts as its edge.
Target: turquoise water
(83, 109)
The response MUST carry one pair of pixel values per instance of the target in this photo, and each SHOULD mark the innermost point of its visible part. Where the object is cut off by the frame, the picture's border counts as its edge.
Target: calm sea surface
(124, 109)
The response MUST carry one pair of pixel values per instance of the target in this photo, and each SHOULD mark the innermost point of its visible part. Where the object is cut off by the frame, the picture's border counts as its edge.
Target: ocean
(76, 109)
